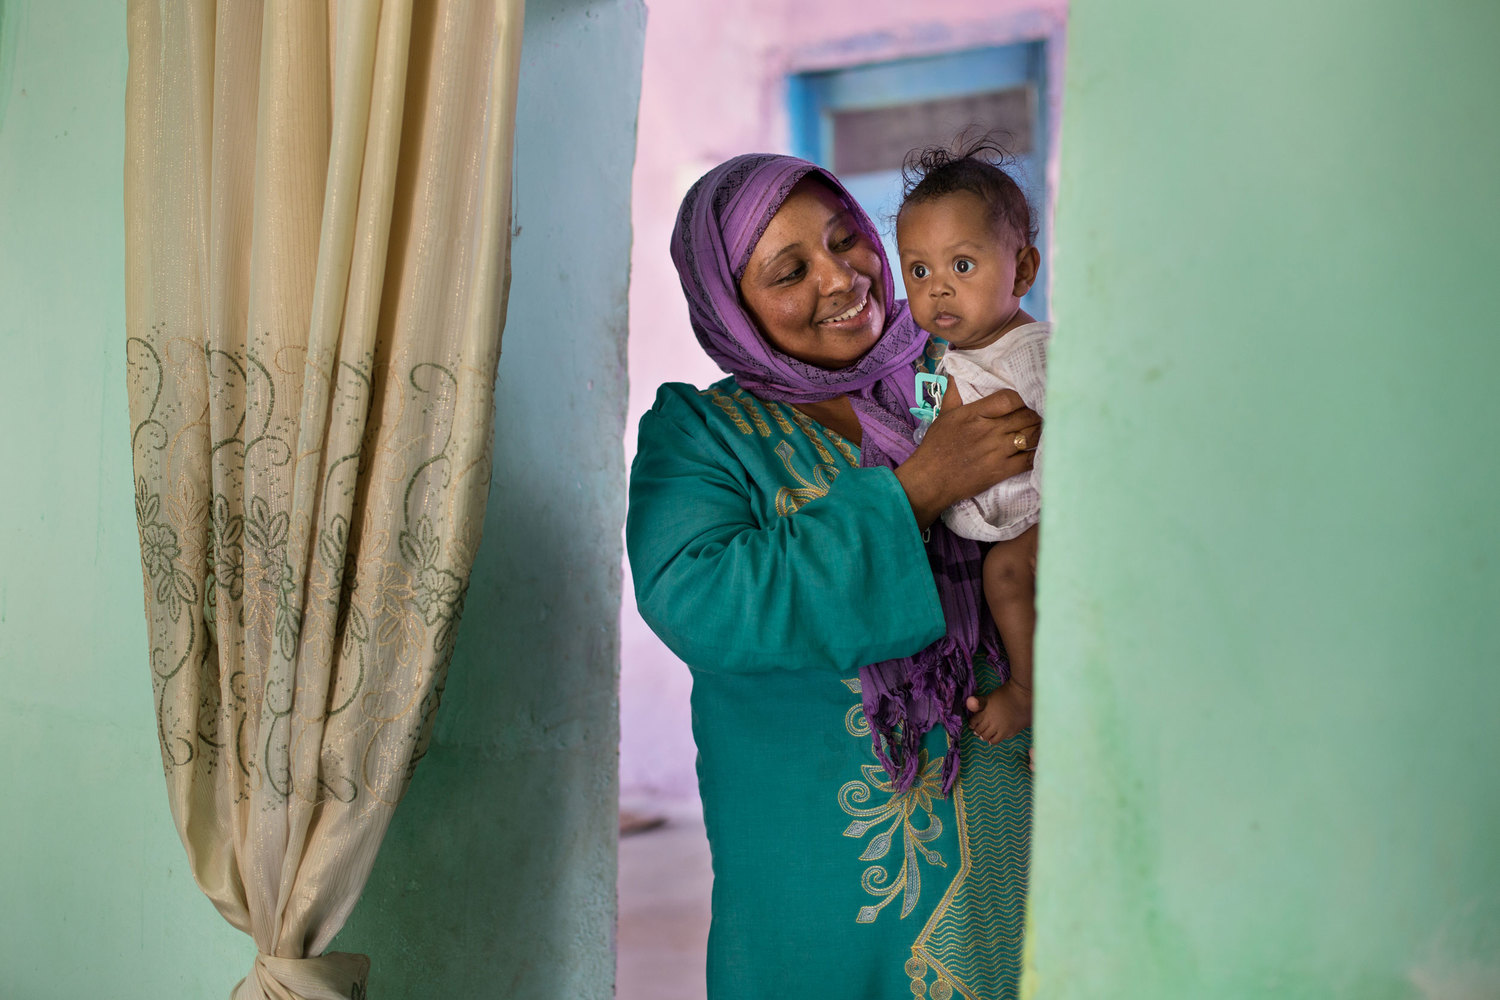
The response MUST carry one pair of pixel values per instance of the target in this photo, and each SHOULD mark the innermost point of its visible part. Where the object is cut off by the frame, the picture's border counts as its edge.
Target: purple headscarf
(722, 218)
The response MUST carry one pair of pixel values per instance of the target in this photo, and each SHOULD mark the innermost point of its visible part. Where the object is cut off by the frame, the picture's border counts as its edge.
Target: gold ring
(1020, 442)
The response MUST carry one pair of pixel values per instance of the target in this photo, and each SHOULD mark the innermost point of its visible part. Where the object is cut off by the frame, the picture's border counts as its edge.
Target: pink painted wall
(713, 87)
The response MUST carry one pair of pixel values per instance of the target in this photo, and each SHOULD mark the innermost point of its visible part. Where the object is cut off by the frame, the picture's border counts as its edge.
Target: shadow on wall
(497, 875)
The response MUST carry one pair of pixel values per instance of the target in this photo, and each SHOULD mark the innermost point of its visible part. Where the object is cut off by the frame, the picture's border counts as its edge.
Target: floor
(665, 879)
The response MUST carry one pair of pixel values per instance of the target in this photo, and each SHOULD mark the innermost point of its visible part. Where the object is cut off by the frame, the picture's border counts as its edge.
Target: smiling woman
(782, 536)
(813, 282)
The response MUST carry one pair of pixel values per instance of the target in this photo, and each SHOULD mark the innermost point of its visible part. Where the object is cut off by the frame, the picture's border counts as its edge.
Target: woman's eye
(919, 271)
(790, 276)
(963, 265)
(845, 242)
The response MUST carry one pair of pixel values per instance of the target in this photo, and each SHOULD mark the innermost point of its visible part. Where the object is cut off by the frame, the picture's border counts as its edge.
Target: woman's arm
(842, 582)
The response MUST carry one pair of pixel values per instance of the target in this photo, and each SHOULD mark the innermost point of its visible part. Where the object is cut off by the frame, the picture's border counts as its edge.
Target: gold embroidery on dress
(916, 971)
(752, 407)
(810, 428)
(844, 447)
(942, 989)
(789, 499)
(780, 418)
(854, 719)
(900, 808)
(975, 933)
(728, 406)
(806, 423)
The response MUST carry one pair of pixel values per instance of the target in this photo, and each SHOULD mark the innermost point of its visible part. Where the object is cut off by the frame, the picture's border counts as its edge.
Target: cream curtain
(317, 212)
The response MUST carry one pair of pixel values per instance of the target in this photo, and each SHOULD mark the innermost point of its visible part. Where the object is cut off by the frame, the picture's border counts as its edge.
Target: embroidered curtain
(317, 211)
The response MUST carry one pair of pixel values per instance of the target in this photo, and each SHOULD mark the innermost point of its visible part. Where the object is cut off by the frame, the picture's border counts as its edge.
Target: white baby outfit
(1016, 361)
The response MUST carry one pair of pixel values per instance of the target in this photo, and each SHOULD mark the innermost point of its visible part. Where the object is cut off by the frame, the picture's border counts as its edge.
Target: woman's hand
(968, 449)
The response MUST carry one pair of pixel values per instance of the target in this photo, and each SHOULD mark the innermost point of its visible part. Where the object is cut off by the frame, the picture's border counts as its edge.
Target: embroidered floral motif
(902, 810)
(160, 554)
(789, 499)
(970, 946)
(265, 551)
(229, 557)
(242, 594)
(439, 593)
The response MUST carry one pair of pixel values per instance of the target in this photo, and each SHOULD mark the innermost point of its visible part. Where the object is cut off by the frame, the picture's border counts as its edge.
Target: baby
(966, 238)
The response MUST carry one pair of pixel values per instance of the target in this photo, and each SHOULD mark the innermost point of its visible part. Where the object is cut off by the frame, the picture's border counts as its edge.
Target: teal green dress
(775, 566)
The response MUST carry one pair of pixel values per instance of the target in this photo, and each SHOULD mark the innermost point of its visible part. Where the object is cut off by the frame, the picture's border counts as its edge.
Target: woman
(776, 535)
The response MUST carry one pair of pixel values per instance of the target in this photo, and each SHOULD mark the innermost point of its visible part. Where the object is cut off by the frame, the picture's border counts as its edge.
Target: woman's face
(813, 284)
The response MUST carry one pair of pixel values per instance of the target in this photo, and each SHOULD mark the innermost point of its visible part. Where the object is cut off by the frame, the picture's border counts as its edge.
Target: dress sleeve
(842, 582)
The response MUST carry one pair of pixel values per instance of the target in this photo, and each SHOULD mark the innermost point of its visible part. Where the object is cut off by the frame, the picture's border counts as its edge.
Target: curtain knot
(338, 975)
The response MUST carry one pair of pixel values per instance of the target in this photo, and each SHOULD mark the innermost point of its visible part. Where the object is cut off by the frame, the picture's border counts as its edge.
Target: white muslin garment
(1018, 361)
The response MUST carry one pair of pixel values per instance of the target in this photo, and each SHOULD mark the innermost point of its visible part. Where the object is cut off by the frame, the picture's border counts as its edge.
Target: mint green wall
(93, 880)
(498, 875)
(1270, 587)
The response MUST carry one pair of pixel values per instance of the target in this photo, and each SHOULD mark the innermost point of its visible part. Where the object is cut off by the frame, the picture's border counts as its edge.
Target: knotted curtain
(317, 212)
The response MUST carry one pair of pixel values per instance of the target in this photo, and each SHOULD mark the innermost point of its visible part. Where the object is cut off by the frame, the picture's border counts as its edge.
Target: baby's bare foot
(985, 717)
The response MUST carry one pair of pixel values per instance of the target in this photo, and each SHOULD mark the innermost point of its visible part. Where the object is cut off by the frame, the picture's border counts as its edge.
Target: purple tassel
(904, 698)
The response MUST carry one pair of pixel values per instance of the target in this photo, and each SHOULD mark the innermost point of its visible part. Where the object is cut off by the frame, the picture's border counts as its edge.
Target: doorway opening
(762, 81)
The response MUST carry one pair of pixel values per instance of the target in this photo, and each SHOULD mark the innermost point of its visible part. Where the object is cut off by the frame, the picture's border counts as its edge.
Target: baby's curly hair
(975, 165)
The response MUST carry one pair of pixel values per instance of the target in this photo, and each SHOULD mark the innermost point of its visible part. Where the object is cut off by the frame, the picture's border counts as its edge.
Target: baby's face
(961, 276)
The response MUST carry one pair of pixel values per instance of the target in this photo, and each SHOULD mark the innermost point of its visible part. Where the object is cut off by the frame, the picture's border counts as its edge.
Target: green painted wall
(95, 895)
(1268, 738)
(498, 875)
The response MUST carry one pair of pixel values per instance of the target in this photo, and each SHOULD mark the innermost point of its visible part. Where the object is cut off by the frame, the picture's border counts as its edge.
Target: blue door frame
(813, 98)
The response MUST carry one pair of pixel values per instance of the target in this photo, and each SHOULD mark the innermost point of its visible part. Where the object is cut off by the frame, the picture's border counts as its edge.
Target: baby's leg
(1010, 591)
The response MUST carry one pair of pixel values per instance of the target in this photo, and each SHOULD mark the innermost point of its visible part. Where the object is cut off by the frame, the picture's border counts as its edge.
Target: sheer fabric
(317, 209)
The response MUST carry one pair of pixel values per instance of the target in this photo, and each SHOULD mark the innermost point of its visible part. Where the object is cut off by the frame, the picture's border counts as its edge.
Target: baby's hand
(1000, 714)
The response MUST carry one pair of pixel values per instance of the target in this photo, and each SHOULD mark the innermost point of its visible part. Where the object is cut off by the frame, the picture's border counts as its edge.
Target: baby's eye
(919, 271)
(963, 265)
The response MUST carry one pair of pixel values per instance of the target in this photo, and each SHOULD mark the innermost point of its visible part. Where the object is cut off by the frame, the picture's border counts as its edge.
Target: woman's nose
(837, 275)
